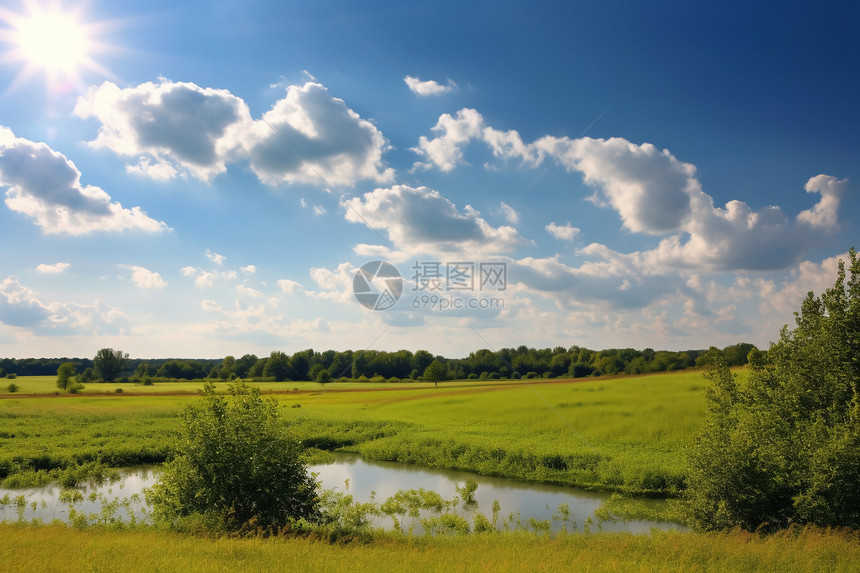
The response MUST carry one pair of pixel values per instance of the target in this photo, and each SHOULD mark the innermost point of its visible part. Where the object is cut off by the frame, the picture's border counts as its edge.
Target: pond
(365, 480)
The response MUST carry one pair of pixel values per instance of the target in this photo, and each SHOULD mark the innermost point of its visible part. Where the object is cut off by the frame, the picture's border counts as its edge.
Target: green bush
(12, 388)
(784, 448)
(235, 467)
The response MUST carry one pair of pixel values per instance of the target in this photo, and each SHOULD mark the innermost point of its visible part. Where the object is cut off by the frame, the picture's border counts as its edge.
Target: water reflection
(367, 479)
(529, 500)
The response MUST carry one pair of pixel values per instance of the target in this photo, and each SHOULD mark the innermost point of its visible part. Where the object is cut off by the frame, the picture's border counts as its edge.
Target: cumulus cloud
(650, 188)
(421, 220)
(145, 278)
(175, 126)
(249, 269)
(429, 87)
(655, 193)
(309, 135)
(54, 269)
(171, 129)
(445, 150)
(45, 186)
(334, 285)
(23, 307)
(564, 232)
(824, 214)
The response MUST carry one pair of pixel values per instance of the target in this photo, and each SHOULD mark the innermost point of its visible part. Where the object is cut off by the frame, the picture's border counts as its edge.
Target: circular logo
(377, 285)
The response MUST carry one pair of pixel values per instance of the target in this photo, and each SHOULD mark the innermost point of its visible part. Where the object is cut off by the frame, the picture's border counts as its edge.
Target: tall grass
(57, 548)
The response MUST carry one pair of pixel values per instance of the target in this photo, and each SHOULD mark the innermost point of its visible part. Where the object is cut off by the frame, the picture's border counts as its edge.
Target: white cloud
(145, 278)
(248, 291)
(509, 213)
(444, 151)
(215, 257)
(651, 190)
(421, 220)
(23, 307)
(825, 213)
(334, 285)
(429, 87)
(172, 129)
(656, 194)
(176, 127)
(220, 276)
(319, 210)
(288, 286)
(44, 185)
(204, 279)
(311, 137)
(158, 170)
(54, 269)
(564, 232)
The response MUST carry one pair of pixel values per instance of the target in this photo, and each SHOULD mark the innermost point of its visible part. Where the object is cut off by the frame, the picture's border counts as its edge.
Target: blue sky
(201, 180)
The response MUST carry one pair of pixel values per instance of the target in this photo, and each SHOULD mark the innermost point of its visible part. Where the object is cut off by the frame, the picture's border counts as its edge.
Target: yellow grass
(56, 548)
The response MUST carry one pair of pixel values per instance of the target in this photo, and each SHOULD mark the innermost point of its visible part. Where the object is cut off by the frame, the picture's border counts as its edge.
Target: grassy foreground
(146, 550)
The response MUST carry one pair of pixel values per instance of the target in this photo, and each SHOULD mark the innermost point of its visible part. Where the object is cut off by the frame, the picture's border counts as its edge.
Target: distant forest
(507, 363)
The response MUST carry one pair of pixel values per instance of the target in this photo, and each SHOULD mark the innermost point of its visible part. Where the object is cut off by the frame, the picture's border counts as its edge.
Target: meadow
(625, 434)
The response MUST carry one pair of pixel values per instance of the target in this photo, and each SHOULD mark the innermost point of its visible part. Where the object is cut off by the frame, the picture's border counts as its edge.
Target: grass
(623, 433)
(626, 434)
(57, 548)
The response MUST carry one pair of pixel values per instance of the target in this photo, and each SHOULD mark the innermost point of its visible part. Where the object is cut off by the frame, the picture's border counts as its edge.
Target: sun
(52, 41)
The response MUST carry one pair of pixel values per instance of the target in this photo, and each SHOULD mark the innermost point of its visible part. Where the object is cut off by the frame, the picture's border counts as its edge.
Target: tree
(301, 364)
(64, 375)
(236, 466)
(142, 371)
(435, 372)
(244, 365)
(278, 367)
(227, 371)
(108, 363)
(784, 448)
(323, 377)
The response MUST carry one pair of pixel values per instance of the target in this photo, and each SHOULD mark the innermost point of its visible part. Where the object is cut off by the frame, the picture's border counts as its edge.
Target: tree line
(508, 363)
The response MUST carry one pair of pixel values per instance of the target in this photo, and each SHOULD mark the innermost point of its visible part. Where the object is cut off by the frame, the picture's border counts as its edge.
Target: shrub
(784, 448)
(12, 388)
(235, 467)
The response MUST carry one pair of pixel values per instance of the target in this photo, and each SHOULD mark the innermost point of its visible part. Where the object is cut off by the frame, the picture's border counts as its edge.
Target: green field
(625, 434)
